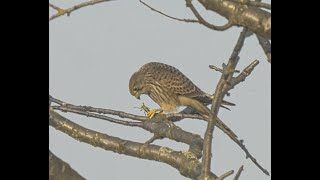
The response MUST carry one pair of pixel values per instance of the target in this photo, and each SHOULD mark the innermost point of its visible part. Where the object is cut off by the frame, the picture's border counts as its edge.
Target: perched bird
(169, 88)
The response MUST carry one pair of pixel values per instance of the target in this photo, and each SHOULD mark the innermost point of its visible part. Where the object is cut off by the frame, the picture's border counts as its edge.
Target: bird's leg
(150, 112)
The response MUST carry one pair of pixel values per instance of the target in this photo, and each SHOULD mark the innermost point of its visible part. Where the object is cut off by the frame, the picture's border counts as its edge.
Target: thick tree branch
(186, 165)
(253, 18)
(70, 10)
(59, 169)
(162, 127)
(253, 3)
(159, 125)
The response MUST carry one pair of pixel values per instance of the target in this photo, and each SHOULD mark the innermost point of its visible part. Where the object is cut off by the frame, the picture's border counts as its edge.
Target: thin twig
(100, 110)
(57, 101)
(236, 177)
(69, 10)
(98, 116)
(248, 155)
(171, 17)
(204, 22)
(243, 75)
(54, 7)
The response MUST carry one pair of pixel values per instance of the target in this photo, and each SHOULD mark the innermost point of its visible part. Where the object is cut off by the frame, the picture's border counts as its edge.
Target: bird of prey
(169, 88)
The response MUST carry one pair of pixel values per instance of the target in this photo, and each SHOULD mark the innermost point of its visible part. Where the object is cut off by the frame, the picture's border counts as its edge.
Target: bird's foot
(152, 113)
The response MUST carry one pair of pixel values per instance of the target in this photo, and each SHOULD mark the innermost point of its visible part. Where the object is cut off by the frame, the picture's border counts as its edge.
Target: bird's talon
(151, 113)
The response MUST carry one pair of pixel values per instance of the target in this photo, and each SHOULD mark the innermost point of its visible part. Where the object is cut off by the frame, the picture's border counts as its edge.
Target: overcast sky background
(94, 52)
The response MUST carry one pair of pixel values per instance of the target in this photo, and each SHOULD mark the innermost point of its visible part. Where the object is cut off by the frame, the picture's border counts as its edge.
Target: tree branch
(187, 166)
(88, 114)
(59, 169)
(253, 3)
(216, 103)
(236, 177)
(159, 125)
(204, 22)
(253, 18)
(171, 17)
(69, 10)
(225, 175)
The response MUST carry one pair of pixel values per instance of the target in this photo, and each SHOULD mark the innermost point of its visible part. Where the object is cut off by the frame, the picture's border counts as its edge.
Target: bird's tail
(208, 100)
(227, 103)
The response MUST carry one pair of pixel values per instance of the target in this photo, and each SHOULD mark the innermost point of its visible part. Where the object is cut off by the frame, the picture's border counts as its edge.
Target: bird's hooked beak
(137, 96)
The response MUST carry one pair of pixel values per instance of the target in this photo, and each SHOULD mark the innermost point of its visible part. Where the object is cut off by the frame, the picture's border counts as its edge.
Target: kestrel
(169, 88)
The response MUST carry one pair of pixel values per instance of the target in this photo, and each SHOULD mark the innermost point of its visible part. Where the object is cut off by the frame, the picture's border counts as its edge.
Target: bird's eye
(135, 89)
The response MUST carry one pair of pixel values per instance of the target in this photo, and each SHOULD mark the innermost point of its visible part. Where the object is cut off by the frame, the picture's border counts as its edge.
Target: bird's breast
(168, 107)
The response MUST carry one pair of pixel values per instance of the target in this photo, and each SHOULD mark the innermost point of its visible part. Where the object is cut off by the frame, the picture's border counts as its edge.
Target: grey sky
(94, 52)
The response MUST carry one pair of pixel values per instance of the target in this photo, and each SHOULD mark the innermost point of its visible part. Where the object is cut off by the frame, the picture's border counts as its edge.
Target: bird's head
(136, 85)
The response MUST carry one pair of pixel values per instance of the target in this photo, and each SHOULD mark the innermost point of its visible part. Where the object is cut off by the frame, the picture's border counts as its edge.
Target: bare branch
(204, 22)
(55, 7)
(162, 127)
(266, 46)
(69, 10)
(225, 175)
(88, 114)
(152, 139)
(243, 75)
(100, 110)
(159, 125)
(59, 169)
(188, 167)
(231, 134)
(227, 83)
(216, 103)
(171, 17)
(236, 177)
